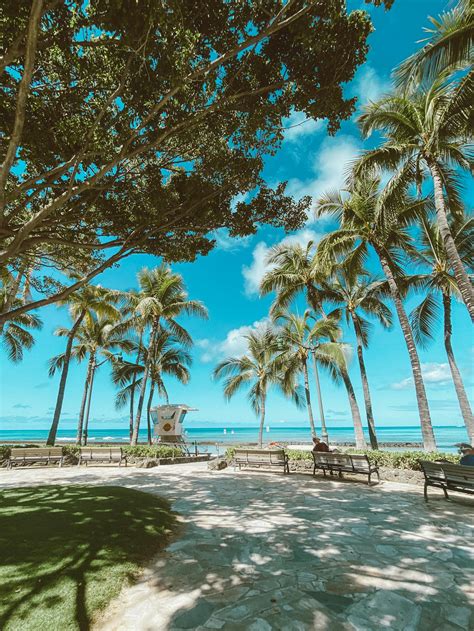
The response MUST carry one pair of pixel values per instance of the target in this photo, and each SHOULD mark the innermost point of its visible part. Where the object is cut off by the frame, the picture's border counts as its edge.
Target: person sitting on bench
(467, 457)
(318, 445)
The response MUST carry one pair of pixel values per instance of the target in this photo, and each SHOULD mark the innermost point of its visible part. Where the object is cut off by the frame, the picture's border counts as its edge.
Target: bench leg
(446, 496)
(425, 492)
(368, 480)
(314, 470)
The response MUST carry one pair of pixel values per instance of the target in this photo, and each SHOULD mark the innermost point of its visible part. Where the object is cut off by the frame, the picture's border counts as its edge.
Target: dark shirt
(320, 447)
(467, 460)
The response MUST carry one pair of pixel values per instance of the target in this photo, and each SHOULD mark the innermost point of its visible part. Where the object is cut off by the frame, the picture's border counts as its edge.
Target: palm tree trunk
(462, 277)
(365, 384)
(146, 372)
(356, 419)
(86, 421)
(324, 431)
(148, 410)
(62, 383)
(80, 422)
(132, 393)
(456, 375)
(429, 442)
(308, 398)
(262, 421)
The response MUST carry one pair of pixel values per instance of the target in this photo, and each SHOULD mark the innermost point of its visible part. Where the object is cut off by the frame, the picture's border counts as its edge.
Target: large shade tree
(131, 126)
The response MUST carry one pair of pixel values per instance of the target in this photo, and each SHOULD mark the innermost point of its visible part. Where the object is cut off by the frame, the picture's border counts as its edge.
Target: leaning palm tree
(295, 270)
(170, 358)
(441, 283)
(259, 369)
(96, 338)
(16, 338)
(162, 297)
(428, 133)
(381, 219)
(449, 45)
(87, 301)
(355, 295)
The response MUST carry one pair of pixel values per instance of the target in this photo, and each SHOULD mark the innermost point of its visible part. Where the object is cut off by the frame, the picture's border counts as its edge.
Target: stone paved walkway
(261, 551)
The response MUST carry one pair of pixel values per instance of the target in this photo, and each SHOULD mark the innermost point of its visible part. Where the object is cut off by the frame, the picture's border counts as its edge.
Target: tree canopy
(131, 126)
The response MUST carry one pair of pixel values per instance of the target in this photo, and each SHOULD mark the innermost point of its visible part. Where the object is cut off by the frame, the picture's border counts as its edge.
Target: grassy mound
(65, 552)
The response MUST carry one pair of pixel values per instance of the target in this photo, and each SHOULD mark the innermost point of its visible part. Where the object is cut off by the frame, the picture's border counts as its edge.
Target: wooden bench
(444, 475)
(47, 455)
(344, 463)
(102, 454)
(261, 458)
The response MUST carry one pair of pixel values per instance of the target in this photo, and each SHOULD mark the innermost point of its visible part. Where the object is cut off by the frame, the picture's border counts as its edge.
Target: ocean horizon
(446, 435)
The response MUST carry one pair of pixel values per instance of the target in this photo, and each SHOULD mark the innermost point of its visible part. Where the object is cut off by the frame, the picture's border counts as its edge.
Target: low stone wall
(148, 463)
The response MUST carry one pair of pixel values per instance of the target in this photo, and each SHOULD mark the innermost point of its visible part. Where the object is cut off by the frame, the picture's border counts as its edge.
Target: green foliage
(66, 551)
(153, 451)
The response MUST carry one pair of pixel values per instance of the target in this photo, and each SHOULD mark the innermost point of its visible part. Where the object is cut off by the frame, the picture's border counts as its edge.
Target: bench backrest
(459, 474)
(36, 452)
(360, 462)
(335, 460)
(100, 453)
(259, 456)
(433, 470)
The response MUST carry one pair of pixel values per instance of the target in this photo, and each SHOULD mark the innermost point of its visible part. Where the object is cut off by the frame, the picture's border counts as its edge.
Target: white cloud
(234, 344)
(369, 86)
(330, 165)
(297, 126)
(432, 373)
(229, 244)
(254, 272)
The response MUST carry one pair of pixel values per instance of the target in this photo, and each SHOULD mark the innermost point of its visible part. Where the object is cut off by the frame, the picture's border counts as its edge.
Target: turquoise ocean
(446, 436)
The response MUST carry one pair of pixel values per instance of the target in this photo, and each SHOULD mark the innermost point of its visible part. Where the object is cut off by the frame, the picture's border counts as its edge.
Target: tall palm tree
(89, 300)
(96, 338)
(162, 297)
(441, 283)
(449, 45)
(295, 270)
(428, 132)
(259, 369)
(16, 338)
(369, 216)
(356, 296)
(170, 358)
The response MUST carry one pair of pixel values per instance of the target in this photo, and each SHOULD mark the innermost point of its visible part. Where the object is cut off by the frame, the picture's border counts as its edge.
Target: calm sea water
(446, 436)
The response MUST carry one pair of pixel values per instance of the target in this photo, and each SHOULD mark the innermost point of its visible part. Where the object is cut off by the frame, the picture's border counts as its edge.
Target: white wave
(108, 437)
(66, 438)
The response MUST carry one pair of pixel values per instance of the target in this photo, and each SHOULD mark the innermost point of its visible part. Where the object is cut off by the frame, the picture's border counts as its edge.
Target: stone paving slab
(260, 551)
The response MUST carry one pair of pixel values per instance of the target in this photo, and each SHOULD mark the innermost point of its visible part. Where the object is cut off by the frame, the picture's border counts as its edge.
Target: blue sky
(227, 280)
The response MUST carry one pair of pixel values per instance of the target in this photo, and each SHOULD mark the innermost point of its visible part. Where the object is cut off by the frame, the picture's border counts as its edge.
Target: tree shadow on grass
(66, 551)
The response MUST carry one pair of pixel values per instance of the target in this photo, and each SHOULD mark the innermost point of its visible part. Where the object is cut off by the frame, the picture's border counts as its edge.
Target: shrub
(152, 451)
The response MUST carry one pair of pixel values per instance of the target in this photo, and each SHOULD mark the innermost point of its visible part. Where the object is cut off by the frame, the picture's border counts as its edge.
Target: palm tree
(89, 300)
(259, 368)
(449, 45)
(441, 283)
(15, 335)
(381, 219)
(427, 131)
(356, 295)
(96, 337)
(170, 358)
(162, 297)
(296, 270)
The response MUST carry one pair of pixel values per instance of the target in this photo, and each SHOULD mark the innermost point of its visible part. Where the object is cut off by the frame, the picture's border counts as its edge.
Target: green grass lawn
(65, 552)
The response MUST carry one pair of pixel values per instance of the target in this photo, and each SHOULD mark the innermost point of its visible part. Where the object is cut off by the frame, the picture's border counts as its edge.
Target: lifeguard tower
(168, 424)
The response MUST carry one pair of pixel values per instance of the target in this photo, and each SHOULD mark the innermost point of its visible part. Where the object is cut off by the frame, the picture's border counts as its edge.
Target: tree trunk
(62, 383)
(365, 384)
(132, 393)
(146, 372)
(308, 398)
(460, 273)
(356, 420)
(80, 422)
(86, 421)
(262, 422)
(148, 410)
(429, 442)
(456, 375)
(324, 431)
